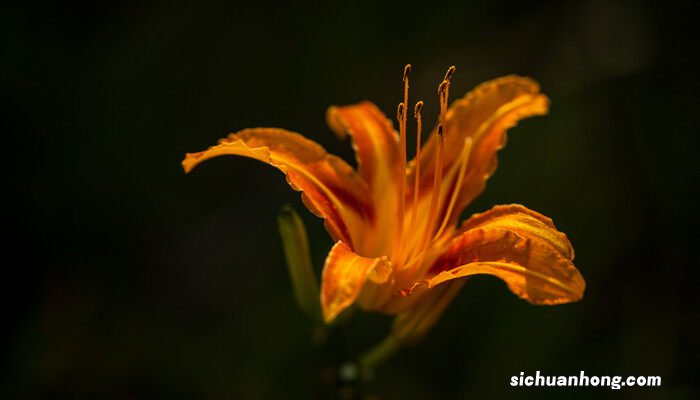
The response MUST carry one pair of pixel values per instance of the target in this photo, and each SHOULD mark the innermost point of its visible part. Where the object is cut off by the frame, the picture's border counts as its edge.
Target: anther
(450, 72)
(442, 86)
(416, 110)
(399, 112)
(439, 131)
(406, 71)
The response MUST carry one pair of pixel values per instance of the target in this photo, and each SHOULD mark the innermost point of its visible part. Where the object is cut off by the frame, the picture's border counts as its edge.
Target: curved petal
(376, 147)
(524, 221)
(484, 115)
(330, 188)
(348, 277)
(375, 141)
(519, 246)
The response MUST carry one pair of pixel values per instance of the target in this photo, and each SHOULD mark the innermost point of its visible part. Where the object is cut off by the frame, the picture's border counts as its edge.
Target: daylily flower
(398, 247)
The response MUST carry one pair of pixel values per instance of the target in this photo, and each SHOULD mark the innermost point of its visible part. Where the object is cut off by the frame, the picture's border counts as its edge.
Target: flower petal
(484, 115)
(518, 245)
(348, 277)
(330, 188)
(375, 141)
(376, 147)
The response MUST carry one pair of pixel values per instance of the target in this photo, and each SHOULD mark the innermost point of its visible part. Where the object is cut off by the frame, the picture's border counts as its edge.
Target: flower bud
(296, 251)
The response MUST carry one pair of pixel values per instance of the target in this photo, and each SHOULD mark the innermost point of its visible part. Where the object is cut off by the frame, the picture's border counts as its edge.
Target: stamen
(464, 157)
(416, 180)
(419, 251)
(402, 164)
(443, 93)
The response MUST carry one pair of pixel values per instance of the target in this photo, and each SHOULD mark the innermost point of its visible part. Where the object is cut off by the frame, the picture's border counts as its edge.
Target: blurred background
(127, 279)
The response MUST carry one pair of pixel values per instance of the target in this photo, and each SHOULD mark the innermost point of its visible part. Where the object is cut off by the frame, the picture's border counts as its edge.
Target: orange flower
(398, 248)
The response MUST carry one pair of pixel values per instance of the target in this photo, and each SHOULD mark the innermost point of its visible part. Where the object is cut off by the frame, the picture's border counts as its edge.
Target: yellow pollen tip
(406, 71)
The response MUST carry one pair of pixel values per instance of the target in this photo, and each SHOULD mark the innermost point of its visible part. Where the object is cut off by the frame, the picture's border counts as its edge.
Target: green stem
(379, 354)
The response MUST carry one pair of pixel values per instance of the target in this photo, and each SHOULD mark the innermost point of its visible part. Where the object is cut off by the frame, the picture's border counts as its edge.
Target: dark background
(124, 278)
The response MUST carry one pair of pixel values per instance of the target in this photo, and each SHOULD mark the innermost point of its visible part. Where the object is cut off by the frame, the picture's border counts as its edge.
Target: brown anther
(406, 71)
(399, 112)
(450, 72)
(416, 110)
(439, 131)
(442, 86)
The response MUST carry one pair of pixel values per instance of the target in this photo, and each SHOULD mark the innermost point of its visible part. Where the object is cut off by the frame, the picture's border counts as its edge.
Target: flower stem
(379, 354)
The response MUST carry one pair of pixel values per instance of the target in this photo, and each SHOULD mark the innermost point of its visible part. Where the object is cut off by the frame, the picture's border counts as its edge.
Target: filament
(443, 93)
(416, 180)
(435, 195)
(402, 164)
(464, 160)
